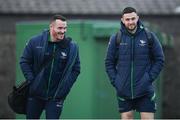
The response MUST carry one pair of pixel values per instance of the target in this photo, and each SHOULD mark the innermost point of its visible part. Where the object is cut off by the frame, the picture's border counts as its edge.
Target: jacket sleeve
(71, 78)
(75, 70)
(26, 61)
(158, 58)
(110, 62)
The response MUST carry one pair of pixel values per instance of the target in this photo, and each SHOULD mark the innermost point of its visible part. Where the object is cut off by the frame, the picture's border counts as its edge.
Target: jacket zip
(51, 69)
(132, 67)
(66, 71)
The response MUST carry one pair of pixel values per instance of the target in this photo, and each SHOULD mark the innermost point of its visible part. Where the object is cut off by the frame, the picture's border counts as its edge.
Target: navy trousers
(35, 107)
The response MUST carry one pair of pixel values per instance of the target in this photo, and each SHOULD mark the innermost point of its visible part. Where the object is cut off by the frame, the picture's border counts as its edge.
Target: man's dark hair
(60, 17)
(128, 10)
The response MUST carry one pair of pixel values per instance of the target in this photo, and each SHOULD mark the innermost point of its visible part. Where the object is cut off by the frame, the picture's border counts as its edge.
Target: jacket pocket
(120, 84)
(144, 85)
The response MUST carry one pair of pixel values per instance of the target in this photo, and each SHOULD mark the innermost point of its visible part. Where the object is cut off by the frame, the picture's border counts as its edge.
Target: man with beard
(50, 63)
(133, 64)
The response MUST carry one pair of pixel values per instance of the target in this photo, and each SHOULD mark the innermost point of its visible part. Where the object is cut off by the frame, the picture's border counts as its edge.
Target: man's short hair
(128, 10)
(60, 17)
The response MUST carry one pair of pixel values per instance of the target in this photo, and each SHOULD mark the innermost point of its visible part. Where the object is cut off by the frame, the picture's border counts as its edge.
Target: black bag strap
(118, 41)
(118, 38)
(41, 68)
(150, 42)
(149, 37)
(48, 61)
(24, 83)
(66, 43)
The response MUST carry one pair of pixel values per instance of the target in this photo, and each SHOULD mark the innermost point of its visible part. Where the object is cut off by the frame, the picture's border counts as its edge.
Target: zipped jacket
(137, 66)
(31, 63)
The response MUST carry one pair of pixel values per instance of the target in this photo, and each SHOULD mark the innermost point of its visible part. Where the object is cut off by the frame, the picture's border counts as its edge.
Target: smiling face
(58, 29)
(130, 20)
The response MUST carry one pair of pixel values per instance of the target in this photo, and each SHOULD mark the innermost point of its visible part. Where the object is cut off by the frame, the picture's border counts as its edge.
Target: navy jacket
(32, 61)
(137, 66)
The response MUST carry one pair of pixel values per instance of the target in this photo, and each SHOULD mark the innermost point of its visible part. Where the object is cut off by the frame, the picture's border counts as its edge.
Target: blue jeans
(35, 107)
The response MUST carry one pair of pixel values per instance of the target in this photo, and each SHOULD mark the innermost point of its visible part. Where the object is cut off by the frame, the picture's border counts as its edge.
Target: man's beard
(132, 30)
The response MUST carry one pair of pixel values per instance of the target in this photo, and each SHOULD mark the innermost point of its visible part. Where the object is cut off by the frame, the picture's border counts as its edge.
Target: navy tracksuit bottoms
(35, 107)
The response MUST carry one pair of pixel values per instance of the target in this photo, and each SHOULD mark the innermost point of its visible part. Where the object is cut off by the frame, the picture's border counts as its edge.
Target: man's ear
(122, 20)
(50, 25)
(137, 17)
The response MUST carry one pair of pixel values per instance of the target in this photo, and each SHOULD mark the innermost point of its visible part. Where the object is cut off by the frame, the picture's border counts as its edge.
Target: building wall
(7, 71)
(171, 82)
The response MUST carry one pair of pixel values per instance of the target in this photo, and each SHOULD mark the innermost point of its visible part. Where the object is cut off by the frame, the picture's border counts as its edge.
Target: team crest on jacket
(63, 55)
(142, 43)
